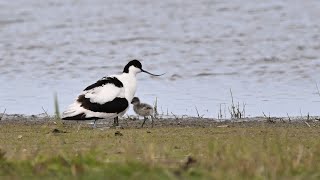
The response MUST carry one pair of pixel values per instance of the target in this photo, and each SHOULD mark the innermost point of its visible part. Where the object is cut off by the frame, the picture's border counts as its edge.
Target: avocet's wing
(103, 99)
(146, 107)
(104, 90)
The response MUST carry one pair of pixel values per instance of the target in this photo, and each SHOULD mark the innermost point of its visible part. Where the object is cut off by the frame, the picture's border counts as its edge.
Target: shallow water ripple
(267, 53)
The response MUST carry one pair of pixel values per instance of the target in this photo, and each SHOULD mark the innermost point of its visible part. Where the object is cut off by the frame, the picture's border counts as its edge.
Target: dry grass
(240, 151)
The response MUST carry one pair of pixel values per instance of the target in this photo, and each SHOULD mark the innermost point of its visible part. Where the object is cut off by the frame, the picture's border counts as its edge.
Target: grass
(241, 151)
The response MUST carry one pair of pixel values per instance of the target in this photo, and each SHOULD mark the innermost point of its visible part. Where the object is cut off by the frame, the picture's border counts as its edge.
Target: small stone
(223, 126)
(118, 133)
(20, 136)
(58, 131)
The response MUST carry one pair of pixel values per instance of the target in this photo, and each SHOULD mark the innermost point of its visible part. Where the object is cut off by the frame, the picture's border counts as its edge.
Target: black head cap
(134, 63)
(135, 100)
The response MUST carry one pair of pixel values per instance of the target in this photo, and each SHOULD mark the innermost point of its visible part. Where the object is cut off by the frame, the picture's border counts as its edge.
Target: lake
(266, 53)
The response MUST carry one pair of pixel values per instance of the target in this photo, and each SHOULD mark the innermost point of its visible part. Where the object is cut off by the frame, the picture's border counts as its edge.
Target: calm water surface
(267, 53)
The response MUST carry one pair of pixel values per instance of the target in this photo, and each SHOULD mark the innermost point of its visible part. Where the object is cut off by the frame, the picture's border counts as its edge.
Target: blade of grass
(56, 107)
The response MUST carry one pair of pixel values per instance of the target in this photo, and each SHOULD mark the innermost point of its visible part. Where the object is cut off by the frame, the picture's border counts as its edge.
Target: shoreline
(165, 121)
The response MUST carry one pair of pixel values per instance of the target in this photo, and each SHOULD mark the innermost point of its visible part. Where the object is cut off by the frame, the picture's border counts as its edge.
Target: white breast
(129, 82)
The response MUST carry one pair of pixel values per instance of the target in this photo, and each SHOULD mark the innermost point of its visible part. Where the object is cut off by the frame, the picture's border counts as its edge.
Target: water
(267, 53)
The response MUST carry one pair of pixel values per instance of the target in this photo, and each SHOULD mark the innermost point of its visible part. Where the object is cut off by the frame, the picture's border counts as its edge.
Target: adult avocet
(108, 98)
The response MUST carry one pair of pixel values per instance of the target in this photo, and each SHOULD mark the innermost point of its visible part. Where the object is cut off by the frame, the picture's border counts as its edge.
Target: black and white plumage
(142, 109)
(109, 97)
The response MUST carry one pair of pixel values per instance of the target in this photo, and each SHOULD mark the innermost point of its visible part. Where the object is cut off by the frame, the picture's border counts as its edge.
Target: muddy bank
(163, 121)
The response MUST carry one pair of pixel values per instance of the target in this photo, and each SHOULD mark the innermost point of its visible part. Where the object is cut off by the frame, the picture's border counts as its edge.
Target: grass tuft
(56, 107)
(236, 112)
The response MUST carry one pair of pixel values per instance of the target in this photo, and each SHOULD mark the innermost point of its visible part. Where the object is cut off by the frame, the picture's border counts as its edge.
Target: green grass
(266, 151)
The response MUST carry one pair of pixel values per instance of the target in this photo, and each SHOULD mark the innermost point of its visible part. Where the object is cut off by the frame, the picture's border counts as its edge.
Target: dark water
(267, 53)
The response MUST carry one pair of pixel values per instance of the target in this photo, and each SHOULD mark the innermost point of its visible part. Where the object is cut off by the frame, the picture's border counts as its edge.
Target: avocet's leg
(151, 121)
(116, 121)
(94, 124)
(144, 120)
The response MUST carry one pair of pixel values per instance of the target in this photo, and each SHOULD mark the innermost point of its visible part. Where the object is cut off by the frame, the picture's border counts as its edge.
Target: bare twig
(269, 119)
(238, 111)
(46, 113)
(175, 116)
(231, 98)
(232, 110)
(289, 117)
(244, 109)
(3, 114)
(307, 124)
(225, 111)
(220, 113)
(198, 113)
(264, 114)
(156, 108)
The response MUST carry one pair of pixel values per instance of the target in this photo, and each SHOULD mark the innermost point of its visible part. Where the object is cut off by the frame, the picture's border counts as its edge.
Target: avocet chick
(142, 109)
